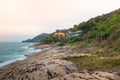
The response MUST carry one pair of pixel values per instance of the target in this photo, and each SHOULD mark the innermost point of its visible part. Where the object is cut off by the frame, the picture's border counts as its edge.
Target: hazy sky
(22, 19)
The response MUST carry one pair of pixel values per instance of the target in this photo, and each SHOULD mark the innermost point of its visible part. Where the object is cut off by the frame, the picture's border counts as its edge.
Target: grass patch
(85, 62)
(101, 52)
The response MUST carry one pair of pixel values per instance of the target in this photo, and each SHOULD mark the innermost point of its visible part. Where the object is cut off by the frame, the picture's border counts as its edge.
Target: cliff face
(37, 38)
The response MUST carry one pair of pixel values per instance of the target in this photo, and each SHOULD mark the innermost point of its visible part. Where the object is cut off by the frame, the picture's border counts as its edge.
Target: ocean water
(12, 51)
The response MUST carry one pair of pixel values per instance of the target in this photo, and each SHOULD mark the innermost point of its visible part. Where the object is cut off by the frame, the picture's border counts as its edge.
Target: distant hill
(37, 38)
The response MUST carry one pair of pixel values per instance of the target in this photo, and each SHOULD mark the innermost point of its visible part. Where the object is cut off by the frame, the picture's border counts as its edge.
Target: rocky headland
(49, 65)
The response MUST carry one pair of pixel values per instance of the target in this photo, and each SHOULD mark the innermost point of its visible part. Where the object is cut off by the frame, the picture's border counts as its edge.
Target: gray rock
(52, 74)
(70, 68)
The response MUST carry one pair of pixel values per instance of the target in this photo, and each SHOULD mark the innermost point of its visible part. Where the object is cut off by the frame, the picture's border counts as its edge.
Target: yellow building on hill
(59, 34)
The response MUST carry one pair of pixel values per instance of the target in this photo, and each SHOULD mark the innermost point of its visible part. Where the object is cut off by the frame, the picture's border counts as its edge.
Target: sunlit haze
(22, 19)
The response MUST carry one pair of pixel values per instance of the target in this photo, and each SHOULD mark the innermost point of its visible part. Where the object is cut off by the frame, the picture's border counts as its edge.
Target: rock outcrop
(48, 65)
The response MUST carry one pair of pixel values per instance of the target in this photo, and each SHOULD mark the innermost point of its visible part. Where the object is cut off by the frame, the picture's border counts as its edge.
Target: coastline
(4, 70)
(17, 54)
(48, 65)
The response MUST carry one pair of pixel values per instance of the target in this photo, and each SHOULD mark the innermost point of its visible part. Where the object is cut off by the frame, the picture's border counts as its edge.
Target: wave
(19, 54)
(21, 57)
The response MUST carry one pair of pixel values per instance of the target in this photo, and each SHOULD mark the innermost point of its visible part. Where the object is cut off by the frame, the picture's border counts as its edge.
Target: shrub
(71, 41)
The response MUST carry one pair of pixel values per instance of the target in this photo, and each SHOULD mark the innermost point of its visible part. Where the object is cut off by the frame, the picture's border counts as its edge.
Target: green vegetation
(47, 40)
(109, 24)
(86, 62)
(61, 42)
(107, 52)
(74, 40)
(116, 46)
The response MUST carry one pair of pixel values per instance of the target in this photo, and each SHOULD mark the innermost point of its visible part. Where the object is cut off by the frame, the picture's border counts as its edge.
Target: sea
(13, 51)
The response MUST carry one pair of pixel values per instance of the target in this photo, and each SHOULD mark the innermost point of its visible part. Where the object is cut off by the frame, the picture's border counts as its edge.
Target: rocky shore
(48, 65)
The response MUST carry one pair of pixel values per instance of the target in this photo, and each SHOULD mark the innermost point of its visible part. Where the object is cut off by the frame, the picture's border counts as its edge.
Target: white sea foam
(18, 57)
(21, 57)
(19, 54)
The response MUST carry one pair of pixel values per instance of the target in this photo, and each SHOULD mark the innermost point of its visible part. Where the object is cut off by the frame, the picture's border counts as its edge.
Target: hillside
(37, 38)
(101, 40)
(107, 23)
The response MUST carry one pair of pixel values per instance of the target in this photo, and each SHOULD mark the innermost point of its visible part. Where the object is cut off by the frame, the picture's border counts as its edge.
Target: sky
(23, 19)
